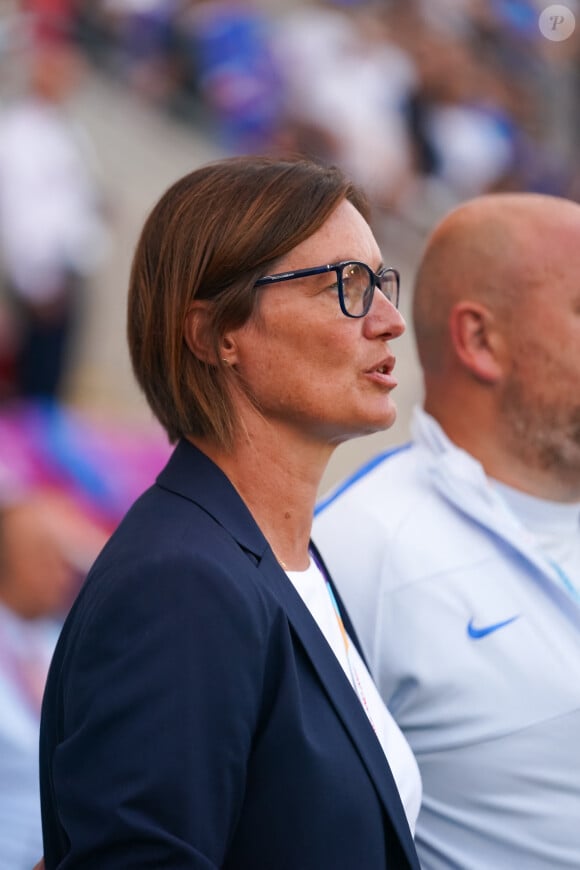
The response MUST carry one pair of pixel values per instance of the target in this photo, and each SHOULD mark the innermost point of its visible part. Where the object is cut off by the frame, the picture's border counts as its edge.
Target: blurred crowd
(420, 100)
(424, 102)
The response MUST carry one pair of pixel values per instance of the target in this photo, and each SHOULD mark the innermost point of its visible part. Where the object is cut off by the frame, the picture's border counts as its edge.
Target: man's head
(497, 322)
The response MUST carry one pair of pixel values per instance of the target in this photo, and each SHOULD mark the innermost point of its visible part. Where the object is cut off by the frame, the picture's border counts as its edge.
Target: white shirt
(555, 527)
(311, 586)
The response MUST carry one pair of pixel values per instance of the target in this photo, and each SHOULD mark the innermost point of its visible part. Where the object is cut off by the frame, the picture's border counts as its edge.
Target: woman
(205, 706)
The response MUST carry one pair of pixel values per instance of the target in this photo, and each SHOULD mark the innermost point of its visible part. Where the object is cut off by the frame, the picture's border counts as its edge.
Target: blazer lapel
(342, 697)
(191, 474)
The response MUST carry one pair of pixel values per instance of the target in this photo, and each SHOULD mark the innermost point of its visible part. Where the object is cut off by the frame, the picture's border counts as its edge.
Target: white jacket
(474, 642)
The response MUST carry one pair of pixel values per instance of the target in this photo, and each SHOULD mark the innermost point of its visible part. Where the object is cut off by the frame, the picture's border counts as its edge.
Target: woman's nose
(383, 318)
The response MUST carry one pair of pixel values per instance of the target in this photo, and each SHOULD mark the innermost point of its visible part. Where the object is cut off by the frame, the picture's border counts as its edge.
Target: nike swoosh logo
(484, 630)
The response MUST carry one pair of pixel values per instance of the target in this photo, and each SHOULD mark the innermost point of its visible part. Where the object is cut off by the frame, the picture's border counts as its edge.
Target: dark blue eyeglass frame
(385, 277)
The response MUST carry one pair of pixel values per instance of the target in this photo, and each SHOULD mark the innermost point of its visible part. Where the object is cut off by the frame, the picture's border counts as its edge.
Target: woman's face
(309, 367)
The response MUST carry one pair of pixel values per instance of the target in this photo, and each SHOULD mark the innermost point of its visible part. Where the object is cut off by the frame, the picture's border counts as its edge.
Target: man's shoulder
(396, 514)
(356, 525)
(373, 481)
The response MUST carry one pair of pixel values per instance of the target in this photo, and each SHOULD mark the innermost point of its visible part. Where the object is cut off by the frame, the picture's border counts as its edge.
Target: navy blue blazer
(194, 715)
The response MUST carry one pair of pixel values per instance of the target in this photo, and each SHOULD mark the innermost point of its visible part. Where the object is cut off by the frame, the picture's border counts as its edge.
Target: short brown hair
(212, 234)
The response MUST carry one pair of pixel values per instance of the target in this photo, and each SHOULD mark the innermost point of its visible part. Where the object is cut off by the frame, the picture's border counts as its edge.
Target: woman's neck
(277, 474)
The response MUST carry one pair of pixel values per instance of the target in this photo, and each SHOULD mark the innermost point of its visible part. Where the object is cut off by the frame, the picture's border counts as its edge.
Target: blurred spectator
(35, 581)
(347, 84)
(42, 538)
(460, 110)
(143, 32)
(228, 50)
(65, 481)
(52, 230)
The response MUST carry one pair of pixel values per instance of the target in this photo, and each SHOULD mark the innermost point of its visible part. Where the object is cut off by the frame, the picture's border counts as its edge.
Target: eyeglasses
(355, 283)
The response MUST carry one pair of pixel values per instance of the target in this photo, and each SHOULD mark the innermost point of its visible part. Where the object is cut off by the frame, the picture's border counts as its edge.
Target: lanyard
(355, 679)
(354, 676)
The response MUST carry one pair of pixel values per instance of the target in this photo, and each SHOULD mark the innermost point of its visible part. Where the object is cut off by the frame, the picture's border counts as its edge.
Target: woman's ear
(198, 333)
(198, 336)
(477, 342)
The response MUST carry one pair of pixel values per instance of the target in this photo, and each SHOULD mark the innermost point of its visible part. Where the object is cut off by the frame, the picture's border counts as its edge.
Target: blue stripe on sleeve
(358, 474)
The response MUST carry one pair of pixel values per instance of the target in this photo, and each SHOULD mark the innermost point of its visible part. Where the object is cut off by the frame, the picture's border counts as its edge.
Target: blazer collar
(191, 474)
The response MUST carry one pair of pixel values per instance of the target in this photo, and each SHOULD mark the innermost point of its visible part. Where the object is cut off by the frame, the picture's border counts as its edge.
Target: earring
(225, 361)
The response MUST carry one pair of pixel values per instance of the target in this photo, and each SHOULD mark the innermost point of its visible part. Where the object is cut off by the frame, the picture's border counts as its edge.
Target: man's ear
(476, 340)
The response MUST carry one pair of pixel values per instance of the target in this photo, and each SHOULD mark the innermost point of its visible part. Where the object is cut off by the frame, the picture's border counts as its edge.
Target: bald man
(458, 555)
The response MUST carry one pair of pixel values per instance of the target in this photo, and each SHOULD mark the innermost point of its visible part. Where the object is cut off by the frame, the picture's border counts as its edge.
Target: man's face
(541, 395)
